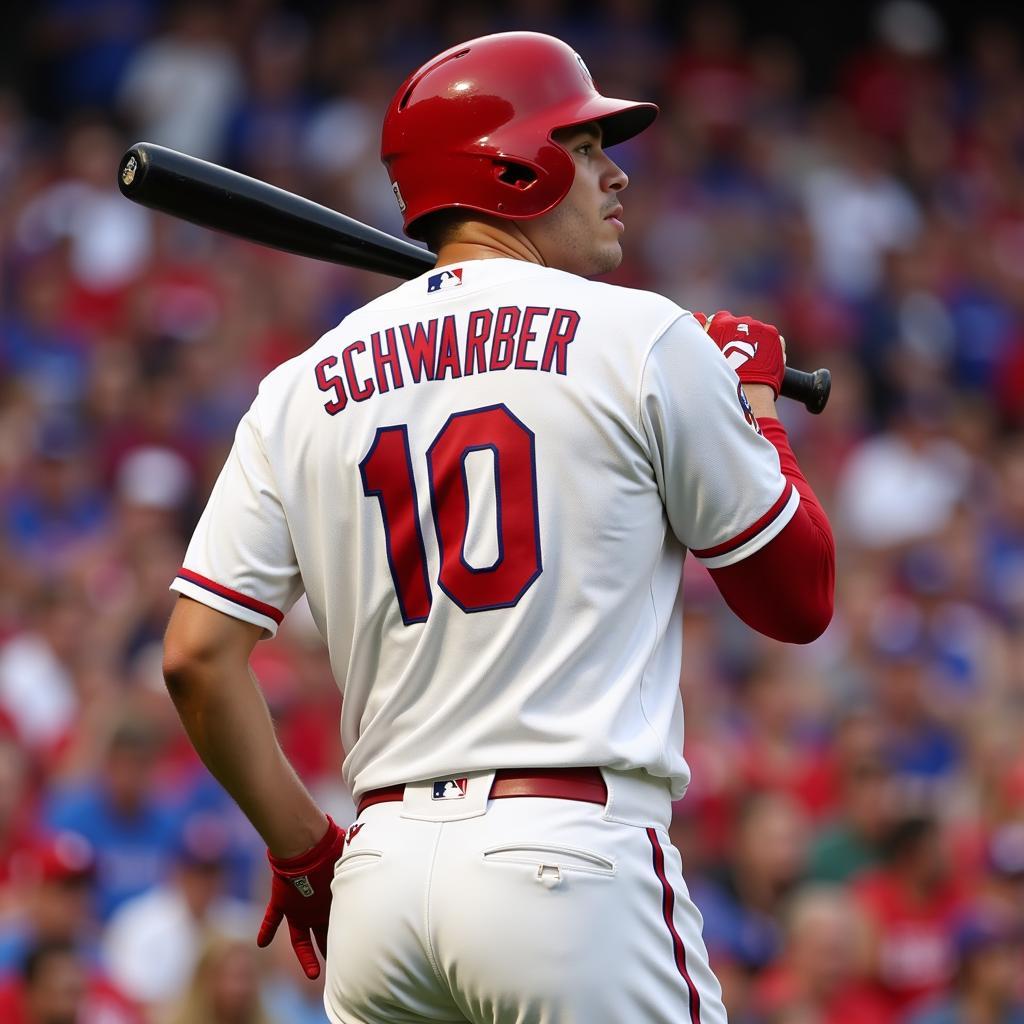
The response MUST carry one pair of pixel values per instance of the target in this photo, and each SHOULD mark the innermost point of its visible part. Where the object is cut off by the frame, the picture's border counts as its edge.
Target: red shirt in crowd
(102, 1004)
(779, 991)
(915, 954)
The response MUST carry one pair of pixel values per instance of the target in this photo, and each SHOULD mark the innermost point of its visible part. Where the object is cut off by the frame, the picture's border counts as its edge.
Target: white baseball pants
(517, 911)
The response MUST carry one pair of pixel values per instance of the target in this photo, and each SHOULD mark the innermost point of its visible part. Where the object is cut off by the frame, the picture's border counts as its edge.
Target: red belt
(585, 784)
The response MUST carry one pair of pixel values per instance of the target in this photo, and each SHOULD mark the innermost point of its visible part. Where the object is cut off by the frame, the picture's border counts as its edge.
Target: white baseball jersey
(486, 481)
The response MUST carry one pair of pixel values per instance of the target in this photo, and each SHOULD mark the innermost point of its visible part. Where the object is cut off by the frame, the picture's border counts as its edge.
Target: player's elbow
(185, 666)
(800, 612)
(201, 646)
(782, 615)
(805, 624)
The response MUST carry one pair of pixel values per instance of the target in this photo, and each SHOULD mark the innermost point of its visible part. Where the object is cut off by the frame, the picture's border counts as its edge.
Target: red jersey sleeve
(785, 589)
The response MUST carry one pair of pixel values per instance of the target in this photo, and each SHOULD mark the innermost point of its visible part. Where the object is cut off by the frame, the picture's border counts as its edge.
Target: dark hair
(906, 836)
(438, 228)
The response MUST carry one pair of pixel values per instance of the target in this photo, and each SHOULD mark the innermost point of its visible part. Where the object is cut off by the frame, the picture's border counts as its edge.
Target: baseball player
(485, 482)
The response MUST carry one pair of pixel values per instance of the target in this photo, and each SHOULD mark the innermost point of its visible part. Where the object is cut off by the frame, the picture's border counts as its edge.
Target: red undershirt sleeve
(785, 589)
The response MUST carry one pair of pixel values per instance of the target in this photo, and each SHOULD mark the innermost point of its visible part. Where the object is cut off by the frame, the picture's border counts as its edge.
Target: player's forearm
(227, 720)
(762, 401)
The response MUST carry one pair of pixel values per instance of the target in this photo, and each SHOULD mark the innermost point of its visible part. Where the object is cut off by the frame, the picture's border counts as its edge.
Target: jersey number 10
(387, 475)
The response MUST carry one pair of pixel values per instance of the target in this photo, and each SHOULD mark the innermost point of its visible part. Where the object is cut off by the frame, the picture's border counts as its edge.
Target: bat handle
(812, 389)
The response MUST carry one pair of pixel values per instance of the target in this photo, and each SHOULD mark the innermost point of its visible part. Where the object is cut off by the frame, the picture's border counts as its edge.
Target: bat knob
(812, 389)
(132, 169)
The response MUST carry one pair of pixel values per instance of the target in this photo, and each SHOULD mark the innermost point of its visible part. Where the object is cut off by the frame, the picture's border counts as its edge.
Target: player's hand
(300, 891)
(755, 350)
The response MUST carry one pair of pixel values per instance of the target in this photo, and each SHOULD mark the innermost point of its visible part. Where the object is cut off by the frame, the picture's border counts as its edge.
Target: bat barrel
(215, 197)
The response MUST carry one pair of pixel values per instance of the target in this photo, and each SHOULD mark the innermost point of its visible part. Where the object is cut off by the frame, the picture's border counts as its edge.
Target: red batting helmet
(472, 127)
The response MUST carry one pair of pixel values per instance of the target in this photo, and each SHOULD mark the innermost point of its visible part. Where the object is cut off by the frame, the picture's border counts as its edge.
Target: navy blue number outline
(372, 492)
(538, 558)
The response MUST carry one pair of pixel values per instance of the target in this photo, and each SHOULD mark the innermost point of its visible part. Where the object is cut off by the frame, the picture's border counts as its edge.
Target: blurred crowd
(854, 832)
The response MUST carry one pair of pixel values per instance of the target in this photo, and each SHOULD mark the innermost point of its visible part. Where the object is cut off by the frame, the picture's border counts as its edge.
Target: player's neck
(488, 240)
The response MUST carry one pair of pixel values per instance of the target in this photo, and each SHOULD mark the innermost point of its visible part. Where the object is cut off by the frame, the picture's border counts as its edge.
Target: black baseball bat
(215, 197)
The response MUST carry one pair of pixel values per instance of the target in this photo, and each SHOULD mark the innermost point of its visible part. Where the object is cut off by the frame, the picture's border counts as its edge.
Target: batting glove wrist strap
(314, 855)
(300, 892)
(755, 350)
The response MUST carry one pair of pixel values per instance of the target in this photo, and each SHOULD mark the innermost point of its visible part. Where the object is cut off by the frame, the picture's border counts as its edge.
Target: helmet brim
(620, 120)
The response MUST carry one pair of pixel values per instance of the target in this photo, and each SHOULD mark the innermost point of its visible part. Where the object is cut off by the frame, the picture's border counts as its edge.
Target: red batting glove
(300, 891)
(755, 350)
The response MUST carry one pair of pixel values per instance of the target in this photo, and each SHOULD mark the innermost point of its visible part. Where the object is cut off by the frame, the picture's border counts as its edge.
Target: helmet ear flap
(518, 176)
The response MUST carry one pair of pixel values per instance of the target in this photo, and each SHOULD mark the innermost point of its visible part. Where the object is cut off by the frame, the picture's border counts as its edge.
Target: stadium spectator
(1003, 540)
(911, 905)
(51, 901)
(712, 78)
(41, 342)
(56, 506)
(987, 990)
(56, 987)
(821, 975)
(85, 46)
(904, 484)
(999, 898)
(900, 72)
(152, 942)
(181, 86)
(17, 821)
(266, 128)
(742, 905)
(857, 211)
(39, 667)
(780, 750)
(225, 987)
(107, 239)
(131, 827)
(918, 744)
(850, 843)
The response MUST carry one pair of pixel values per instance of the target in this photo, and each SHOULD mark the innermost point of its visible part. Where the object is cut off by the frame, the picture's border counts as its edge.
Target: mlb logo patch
(444, 279)
(450, 789)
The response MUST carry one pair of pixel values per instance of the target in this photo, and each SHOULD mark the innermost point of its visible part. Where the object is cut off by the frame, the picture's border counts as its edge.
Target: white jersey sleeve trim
(224, 599)
(755, 536)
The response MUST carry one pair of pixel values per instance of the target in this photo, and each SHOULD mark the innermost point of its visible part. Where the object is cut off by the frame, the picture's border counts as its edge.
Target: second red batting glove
(755, 350)
(300, 892)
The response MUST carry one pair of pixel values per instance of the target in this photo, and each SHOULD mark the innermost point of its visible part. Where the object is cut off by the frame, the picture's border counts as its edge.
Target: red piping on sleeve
(751, 531)
(232, 595)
